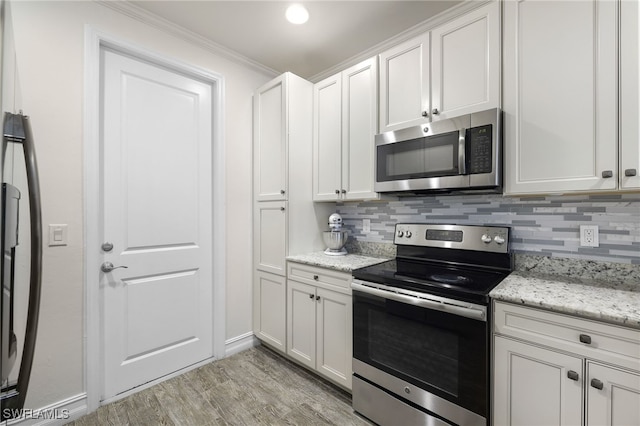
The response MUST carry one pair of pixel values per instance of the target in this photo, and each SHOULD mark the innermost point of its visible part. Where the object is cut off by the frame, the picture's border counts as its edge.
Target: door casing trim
(96, 40)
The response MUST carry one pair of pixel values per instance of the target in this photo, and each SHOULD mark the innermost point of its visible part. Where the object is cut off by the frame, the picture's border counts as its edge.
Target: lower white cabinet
(269, 309)
(319, 326)
(554, 369)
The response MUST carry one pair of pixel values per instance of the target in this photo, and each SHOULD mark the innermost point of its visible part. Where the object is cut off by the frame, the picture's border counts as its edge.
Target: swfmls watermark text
(28, 413)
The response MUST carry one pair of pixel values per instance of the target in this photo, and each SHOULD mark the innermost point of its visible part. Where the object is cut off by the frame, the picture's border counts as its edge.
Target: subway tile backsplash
(542, 226)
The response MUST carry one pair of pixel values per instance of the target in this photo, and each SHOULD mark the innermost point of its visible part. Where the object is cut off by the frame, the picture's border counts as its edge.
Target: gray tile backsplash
(542, 226)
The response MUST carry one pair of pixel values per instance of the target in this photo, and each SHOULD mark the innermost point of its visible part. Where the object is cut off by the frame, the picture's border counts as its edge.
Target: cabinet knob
(344, 191)
(282, 191)
(573, 375)
(585, 338)
(630, 172)
(311, 296)
(317, 297)
(315, 277)
(337, 191)
(425, 114)
(595, 383)
(435, 111)
(607, 174)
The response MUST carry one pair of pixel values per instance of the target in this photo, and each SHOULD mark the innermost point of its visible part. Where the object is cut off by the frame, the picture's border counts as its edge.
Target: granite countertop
(602, 300)
(339, 263)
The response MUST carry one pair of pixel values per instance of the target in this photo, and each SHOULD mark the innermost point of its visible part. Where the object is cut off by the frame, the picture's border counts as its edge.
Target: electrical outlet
(366, 225)
(589, 236)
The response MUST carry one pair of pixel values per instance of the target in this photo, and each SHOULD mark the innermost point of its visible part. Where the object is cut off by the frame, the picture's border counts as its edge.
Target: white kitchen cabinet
(404, 84)
(270, 239)
(452, 70)
(629, 95)
(286, 221)
(552, 368)
(560, 96)
(532, 387)
(319, 321)
(345, 124)
(270, 140)
(269, 309)
(618, 401)
(465, 64)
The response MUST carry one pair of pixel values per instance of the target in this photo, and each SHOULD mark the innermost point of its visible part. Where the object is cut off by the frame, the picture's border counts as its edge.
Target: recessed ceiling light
(297, 14)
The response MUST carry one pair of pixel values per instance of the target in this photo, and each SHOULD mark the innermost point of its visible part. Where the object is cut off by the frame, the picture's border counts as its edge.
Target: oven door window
(432, 156)
(442, 353)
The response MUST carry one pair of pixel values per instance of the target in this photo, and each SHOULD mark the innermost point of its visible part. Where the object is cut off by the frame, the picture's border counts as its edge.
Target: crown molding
(135, 12)
(421, 28)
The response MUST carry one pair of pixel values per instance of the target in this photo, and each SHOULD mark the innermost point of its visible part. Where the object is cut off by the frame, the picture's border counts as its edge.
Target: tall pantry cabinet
(285, 220)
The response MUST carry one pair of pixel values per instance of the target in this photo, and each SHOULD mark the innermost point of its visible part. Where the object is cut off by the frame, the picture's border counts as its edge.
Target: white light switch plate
(57, 235)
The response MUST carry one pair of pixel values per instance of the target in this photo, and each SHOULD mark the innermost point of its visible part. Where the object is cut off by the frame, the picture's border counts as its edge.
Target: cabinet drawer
(596, 340)
(335, 280)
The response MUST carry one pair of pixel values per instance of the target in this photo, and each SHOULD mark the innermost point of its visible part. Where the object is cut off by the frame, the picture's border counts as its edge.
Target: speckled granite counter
(610, 301)
(340, 263)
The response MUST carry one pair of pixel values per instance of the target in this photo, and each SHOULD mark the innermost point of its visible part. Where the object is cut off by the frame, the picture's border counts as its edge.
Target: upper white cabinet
(560, 96)
(459, 74)
(465, 64)
(270, 141)
(630, 95)
(345, 123)
(404, 84)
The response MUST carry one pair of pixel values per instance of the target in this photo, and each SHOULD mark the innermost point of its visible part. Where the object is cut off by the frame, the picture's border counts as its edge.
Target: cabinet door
(269, 141)
(618, 402)
(629, 95)
(560, 96)
(334, 336)
(301, 323)
(465, 64)
(404, 84)
(270, 237)
(327, 133)
(532, 387)
(359, 124)
(269, 307)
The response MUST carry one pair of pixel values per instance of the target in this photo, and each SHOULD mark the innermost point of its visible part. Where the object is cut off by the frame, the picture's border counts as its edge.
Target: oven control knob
(407, 234)
(400, 234)
(485, 238)
(498, 239)
(407, 390)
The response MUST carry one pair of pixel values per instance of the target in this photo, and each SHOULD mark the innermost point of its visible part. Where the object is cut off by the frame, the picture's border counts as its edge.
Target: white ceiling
(335, 32)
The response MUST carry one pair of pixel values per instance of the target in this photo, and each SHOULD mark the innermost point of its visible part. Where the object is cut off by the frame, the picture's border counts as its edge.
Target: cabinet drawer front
(319, 276)
(596, 340)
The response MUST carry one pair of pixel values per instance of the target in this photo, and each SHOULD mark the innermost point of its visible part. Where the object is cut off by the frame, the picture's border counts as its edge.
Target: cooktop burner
(461, 262)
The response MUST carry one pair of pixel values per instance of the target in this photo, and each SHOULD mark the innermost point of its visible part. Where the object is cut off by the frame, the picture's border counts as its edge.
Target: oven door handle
(463, 311)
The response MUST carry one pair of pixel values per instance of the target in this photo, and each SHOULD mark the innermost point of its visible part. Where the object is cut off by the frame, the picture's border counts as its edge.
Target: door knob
(108, 267)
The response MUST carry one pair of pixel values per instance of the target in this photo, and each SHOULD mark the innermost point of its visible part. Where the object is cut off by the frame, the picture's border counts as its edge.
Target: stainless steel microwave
(457, 154)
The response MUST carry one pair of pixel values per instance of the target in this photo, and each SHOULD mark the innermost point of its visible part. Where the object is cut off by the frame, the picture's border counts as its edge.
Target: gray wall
(546, 226)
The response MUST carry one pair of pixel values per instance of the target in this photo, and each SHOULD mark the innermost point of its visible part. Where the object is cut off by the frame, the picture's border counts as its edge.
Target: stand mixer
(336, 237)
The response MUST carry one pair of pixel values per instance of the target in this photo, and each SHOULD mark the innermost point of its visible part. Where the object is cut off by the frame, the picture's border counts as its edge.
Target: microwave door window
(433, 156)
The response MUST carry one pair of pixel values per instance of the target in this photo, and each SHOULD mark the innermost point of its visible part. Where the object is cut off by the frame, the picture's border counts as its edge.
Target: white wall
(49, 39)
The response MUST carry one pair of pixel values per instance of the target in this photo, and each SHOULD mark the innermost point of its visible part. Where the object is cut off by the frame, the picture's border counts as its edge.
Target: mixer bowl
(335, 240)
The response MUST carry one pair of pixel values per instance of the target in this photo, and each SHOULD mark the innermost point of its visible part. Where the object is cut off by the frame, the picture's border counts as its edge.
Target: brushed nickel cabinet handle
(573, 375)
(630, 172)
(425, 114)
(311, 296)
(607, 174)
(585, 338)
(595, 383)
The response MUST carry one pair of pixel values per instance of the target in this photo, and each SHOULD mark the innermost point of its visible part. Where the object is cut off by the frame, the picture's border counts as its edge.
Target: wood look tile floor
(254, 387)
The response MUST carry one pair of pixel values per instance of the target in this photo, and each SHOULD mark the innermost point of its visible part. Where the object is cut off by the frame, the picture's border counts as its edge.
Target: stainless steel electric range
(421, 326)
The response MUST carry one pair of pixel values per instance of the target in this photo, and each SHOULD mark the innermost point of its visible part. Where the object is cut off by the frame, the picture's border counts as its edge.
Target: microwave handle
(462, 144)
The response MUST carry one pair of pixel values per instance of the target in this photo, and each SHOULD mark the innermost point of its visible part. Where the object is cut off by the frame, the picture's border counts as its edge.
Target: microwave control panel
(479, 149)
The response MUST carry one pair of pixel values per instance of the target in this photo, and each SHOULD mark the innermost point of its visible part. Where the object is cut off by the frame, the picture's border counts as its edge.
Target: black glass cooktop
(459, 282)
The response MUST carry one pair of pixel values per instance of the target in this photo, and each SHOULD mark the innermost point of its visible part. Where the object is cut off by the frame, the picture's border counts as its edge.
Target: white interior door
(157, 206)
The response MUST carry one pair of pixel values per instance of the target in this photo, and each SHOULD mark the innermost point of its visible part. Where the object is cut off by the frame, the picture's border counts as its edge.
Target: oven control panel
(465, 237)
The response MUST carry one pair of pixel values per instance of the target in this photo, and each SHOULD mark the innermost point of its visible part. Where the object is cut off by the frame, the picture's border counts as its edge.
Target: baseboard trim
(240, 343)
(58, 413)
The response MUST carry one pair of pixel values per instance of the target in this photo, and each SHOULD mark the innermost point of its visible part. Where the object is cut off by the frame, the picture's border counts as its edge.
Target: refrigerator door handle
(17, 128)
